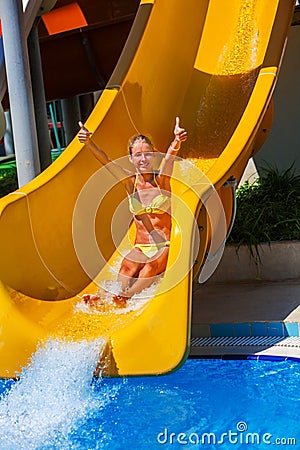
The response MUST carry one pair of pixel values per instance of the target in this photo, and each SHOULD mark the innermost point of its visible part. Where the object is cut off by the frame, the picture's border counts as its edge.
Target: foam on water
(52, 395)
(108, 288)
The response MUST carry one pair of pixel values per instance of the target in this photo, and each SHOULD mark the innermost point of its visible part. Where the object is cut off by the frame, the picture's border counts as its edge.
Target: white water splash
(108, 288)
(52, 395)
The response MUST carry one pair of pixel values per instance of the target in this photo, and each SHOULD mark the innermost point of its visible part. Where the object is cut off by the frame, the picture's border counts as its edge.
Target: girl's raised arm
(180, 135)
(121, 174)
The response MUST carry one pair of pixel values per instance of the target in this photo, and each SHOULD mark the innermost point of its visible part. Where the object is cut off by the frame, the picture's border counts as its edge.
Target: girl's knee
(149, 270)
(128, 269)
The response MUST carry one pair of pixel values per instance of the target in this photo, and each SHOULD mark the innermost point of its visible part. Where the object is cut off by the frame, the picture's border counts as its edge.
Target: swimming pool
(208, 403)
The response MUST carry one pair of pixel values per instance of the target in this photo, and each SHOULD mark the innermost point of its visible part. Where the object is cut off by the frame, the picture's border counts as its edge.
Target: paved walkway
(247, 302)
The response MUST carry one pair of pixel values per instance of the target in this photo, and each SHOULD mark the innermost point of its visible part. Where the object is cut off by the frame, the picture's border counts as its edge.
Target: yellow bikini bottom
(151, 249)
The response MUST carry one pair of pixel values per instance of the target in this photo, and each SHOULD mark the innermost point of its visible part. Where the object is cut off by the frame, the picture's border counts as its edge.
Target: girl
(149, 195)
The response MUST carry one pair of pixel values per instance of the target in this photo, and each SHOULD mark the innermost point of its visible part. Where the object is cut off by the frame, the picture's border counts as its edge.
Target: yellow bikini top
(159, 205)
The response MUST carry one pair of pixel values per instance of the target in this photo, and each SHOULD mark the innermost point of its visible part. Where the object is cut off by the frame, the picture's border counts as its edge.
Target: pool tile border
(273, 358)
(283, 329)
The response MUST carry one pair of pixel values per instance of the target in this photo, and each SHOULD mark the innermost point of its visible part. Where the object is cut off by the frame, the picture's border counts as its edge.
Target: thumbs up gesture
(84, 134)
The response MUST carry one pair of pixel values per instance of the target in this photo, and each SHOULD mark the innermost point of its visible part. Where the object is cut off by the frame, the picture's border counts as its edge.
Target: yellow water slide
(214, 64)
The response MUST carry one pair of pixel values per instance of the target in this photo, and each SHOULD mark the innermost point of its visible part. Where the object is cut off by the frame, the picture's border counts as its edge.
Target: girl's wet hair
(138, 138)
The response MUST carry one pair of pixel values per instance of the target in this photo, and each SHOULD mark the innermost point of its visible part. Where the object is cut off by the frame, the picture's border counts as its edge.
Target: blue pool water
(207, 404)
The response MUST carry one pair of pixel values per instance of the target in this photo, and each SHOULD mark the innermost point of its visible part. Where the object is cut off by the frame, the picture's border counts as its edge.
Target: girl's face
(142, 157)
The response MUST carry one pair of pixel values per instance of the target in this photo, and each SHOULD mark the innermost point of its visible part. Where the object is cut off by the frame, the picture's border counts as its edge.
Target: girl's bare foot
(91, 299)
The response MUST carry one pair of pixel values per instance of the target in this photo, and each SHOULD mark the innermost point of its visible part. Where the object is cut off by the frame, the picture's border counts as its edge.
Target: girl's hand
(84, 134)
(180, 133)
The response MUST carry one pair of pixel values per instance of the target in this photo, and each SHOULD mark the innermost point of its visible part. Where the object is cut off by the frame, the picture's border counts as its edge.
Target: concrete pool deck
(266, 309)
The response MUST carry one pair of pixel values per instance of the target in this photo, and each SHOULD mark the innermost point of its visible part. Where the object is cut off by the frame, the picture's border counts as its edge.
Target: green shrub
(8, 174)
(268, 210)
(8, 181)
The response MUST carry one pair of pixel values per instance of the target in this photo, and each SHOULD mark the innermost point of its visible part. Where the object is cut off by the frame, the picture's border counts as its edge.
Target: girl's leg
(130, 267)
(148, 273)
